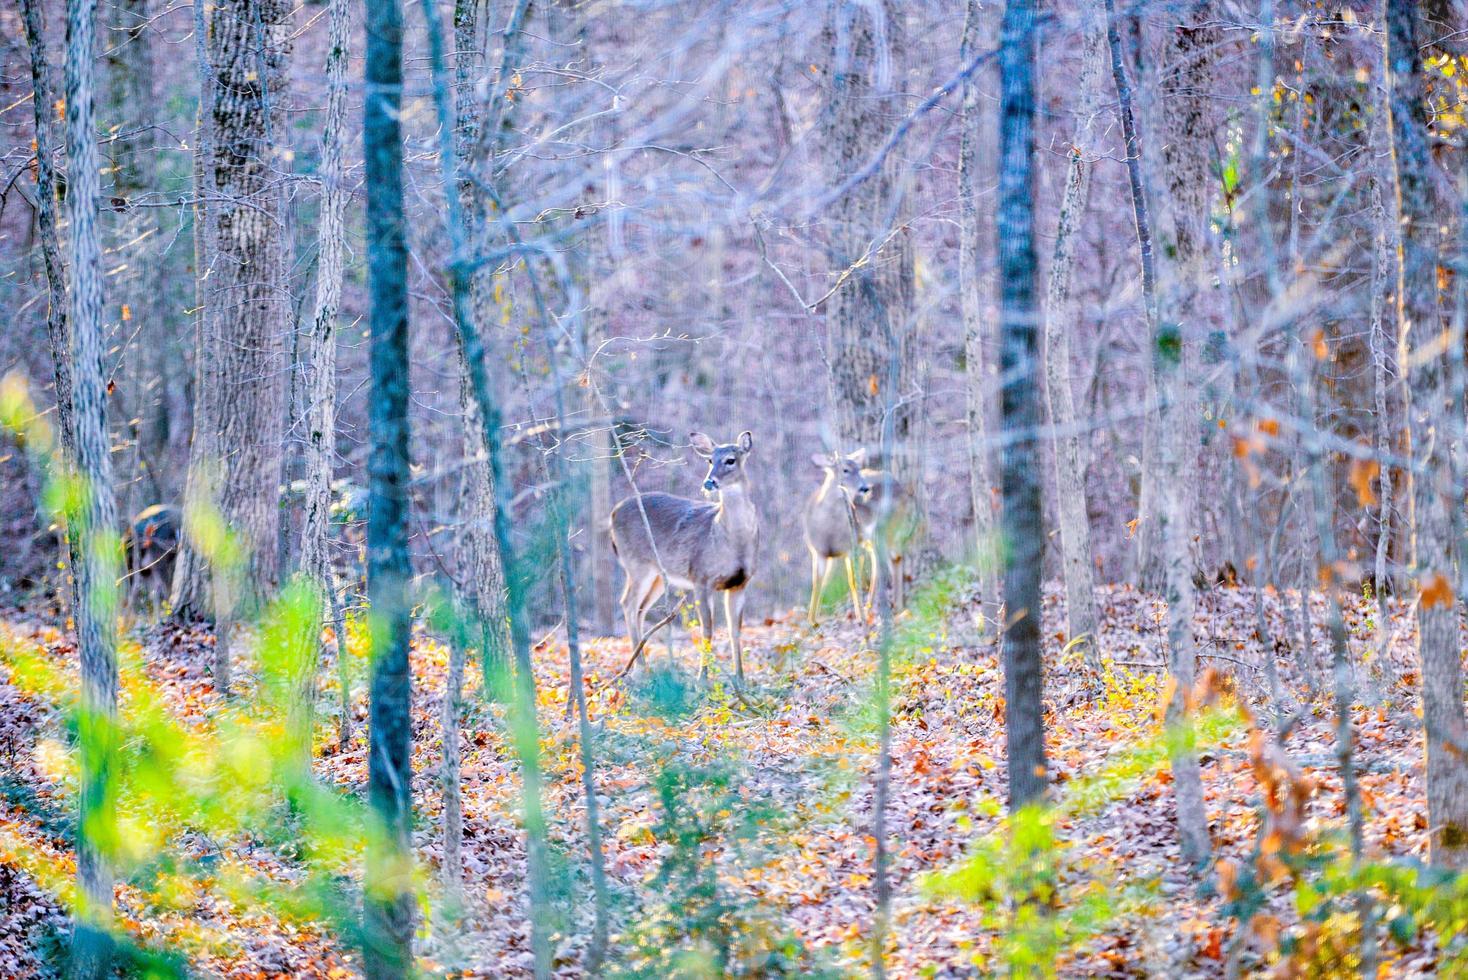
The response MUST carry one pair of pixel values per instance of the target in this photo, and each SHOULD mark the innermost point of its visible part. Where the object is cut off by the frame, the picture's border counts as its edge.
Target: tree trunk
(236, 457)
(869, 317)
(480, 568)
(1019, 326)
(1149, 571)
(93, 519)
(971, 300)
(1420, 332)
(318, 362)
(1070, 461)
(1170, 351)
(388, 912)
(144, 338)
(1186, 305)
(59, 339)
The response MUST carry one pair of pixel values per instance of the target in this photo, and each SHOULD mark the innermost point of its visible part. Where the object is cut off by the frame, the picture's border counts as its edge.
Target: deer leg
(705, 605)
(870, 549)
(851, 586)
(734, 617)
(819, 568)
(899, 585)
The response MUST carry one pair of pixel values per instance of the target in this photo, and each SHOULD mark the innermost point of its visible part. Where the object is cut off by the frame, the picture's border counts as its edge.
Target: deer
(663, 540)
(150, 544)
(833, 525)
(886, 509)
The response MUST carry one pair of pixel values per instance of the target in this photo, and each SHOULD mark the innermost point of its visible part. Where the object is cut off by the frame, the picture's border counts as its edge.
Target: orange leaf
(1228, 879)
(872, 386)
(1363, 472)
(1438, 592)
(1269, 427)
(1317, 343)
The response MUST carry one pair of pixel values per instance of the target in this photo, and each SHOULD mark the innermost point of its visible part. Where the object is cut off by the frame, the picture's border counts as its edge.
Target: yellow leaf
(127, 313)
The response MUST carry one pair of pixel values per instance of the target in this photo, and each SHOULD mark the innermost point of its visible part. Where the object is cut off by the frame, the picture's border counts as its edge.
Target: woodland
(685, 488)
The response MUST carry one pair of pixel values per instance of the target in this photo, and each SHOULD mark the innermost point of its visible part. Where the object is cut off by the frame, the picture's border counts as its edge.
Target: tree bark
(94, 518)
(1149, 572)
(1019, 325)
(388, 909)
(1421, 335)
(480, 568)
(236, 457)
(971, 300)
(1060, 317)
(1185, 306)
(318, 364)
(43, 102)
(869, 318)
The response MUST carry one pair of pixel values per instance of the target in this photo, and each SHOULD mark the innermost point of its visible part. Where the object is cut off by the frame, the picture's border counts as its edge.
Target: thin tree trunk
(480, 567)
(1060, 316)
(1186, 305)
(388, 910)
(524, 724)
(43, 99)
(971, 301)
(318, 365)
(1019, 325)
(1420, 331)
(1148, 566)
(449, 775)
(1384, 245)
(94, 519)
(239, 430)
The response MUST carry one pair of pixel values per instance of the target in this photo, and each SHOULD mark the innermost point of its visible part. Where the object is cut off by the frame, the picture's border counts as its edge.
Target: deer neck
(736, 511)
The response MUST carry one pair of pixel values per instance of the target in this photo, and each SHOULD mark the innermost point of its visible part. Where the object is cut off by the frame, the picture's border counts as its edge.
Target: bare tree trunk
(94, 518)
(318, 365)
(870, 315)
(1019, 324)
(1385, 242)
(449, 775)
(1148, 566)
(1186, 310)
(388, 912)
(1430, 478)
(480, 567)
(57, 335)
(1171, 353)
(1070, 461)
(239, 427)
(971, 300)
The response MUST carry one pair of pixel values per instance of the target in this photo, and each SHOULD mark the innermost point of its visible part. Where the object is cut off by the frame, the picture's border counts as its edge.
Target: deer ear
(859, 457)
(746, 441)
(821, 460)
(702, 444)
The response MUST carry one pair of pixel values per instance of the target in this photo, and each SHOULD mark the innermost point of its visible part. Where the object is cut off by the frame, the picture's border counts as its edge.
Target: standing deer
(833, 525)
(150, 544)
(886, 510)
(661, 540)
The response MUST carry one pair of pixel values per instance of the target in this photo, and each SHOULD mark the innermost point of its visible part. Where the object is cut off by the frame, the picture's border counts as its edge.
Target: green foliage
(1014, 875)
(695, 925)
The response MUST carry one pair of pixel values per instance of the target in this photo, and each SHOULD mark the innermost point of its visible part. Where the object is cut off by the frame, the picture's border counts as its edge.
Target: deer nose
(864, 489)
(711, 484)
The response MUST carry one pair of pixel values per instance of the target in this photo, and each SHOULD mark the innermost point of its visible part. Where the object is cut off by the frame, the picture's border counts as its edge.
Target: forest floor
(767, 797)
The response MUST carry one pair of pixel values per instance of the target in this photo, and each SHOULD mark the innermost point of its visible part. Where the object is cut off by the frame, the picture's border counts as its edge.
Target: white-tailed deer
(662, 540)
(895, 522)
(150, 545)
(833, 525)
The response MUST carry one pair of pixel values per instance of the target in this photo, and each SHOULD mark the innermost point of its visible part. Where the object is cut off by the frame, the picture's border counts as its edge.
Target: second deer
(663, 540)
(833, 524)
